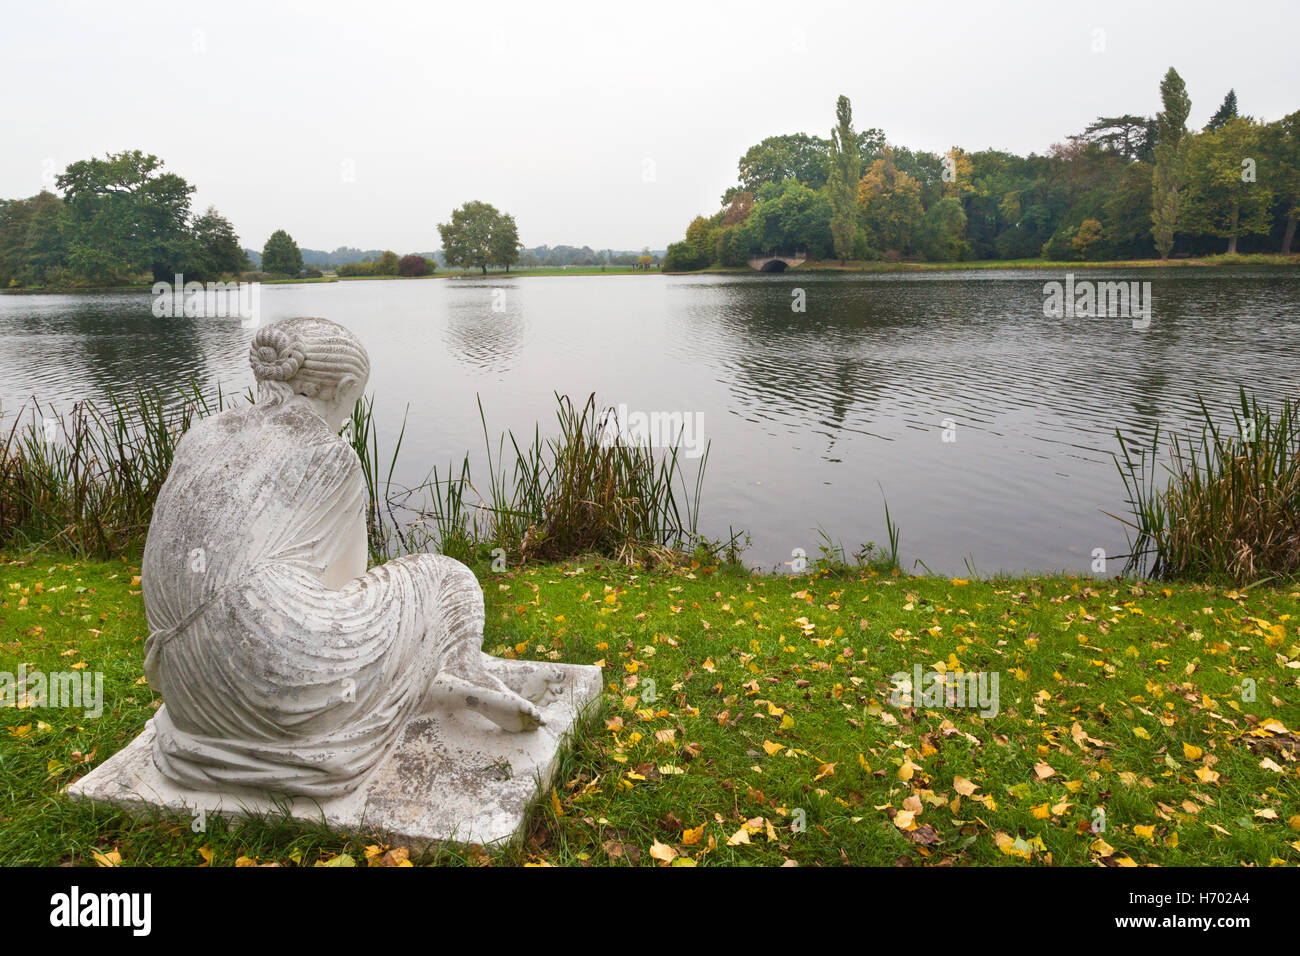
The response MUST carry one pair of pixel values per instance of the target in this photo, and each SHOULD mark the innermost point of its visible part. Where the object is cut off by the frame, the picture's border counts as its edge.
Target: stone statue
(284, 665)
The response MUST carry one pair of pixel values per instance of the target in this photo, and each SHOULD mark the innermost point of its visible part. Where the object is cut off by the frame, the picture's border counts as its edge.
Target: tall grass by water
(1230, 509)
(85, 482)
(577, 492)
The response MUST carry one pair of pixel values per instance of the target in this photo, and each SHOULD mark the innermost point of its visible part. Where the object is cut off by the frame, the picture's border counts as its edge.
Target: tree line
(124, 218)
(119, 217)
(1125, 187)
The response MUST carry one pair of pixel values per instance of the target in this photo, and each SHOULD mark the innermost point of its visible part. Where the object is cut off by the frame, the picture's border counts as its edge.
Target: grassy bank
(812, 265)
(834, 265)
(748, 720)
(549, 271)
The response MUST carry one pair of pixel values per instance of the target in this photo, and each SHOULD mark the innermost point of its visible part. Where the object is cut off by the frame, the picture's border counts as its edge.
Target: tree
(890, 200)
(791, 217)
(778, 158)
(479, 236)
(218, 250)
(1127, 213)
(738, 208)
(1227, 110)
(280, 255)
(1126, 135)
(32, 249)
(735, 245)
(1171, 127)
(124, 216)
(1281, 147)
(957, 174)
(1224, 198)
(505, 241)
(941, 232)
(1087, 239)
(700, 235)
(841, 186)
(387, 264)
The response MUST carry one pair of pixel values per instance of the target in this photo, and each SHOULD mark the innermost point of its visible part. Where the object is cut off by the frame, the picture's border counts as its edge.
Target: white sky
(556, 111)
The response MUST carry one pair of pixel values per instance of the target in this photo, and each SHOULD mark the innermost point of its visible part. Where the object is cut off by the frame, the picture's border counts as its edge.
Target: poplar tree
(1171, 128)
(846, 169)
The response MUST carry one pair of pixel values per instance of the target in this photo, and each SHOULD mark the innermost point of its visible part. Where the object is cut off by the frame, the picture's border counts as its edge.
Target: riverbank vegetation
(1229, 509)
(84, 481)
(880, 265)
(1126, 187)
(753, 719)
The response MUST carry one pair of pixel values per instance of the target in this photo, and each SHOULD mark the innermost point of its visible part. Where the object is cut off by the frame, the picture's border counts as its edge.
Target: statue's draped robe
(270, 680)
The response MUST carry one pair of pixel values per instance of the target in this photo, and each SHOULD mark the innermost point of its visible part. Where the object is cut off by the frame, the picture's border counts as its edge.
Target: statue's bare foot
(506, 709)
(541, 685)
(487, 696)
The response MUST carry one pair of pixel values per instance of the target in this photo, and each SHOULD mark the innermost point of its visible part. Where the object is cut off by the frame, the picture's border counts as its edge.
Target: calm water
(812, 415)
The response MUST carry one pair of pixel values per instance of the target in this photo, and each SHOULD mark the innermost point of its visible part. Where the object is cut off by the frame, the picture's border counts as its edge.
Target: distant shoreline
(820, 266)
(834, 265)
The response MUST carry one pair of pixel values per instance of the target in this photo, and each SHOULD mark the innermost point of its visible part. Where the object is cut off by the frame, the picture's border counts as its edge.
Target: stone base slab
(453, 776)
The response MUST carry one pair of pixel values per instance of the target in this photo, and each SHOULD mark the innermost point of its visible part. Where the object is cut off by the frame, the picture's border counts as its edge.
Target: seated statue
(283, 663)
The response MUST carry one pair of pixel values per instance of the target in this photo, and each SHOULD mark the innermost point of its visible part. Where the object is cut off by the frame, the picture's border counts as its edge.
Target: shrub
(412, 265)
(357, 269)
(684, 257)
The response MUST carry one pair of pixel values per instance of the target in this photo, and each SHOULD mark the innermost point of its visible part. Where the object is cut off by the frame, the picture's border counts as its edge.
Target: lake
(987, 426)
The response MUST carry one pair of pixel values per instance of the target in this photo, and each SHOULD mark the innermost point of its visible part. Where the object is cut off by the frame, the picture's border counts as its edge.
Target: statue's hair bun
(274, 355)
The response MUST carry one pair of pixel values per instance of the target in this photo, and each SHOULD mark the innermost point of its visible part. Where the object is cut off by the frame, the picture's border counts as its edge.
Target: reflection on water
(815, 417)
(485, 325)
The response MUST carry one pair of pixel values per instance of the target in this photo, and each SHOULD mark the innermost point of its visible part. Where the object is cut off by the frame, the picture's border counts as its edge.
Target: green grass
(548, 271)
(516, 273)
(771, 695)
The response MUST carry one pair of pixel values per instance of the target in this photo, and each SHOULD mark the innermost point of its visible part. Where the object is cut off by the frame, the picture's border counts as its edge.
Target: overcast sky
(607, 124)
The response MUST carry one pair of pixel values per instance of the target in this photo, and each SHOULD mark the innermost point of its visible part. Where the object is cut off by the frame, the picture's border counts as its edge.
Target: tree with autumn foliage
(890, 201)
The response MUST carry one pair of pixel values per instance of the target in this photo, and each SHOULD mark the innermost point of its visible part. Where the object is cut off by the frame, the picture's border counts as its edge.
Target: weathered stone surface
(453, 776)
(359, 695)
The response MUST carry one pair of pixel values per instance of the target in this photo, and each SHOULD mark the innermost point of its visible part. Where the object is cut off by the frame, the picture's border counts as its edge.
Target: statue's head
(315, 358)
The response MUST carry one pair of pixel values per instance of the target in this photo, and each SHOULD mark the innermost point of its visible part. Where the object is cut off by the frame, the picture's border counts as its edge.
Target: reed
(1230, 509)
(85, 481)
(577, 492)
(89, 486)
